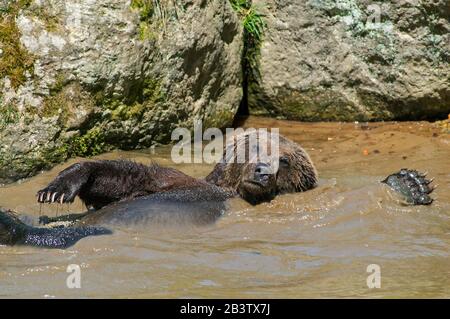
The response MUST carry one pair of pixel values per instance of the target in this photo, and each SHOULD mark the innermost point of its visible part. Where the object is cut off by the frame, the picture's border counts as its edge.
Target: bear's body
(128, 192)
(124, 192)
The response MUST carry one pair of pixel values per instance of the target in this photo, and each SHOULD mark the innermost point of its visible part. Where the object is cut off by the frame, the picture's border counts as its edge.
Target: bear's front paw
(56, 193)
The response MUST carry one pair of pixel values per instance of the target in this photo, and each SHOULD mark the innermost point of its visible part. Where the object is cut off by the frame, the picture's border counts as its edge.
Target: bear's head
(259, 165)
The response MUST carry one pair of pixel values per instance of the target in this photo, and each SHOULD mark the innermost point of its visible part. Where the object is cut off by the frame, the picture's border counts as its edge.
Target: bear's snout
(262, 173)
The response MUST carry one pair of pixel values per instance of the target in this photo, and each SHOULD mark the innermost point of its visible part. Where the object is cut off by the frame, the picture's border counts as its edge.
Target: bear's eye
(284, 161)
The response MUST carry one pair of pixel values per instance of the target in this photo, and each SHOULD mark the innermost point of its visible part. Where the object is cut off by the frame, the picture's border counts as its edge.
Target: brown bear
(123, 190)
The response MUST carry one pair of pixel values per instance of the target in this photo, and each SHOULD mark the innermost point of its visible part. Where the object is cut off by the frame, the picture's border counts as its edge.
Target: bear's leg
(14, 232)
(59, 237)
(99, 183)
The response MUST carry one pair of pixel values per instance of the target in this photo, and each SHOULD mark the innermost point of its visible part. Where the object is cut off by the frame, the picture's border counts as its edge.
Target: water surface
(313, 244)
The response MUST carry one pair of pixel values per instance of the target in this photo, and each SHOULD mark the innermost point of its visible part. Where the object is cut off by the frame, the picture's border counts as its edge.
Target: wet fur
(102, 183)
(132, 192)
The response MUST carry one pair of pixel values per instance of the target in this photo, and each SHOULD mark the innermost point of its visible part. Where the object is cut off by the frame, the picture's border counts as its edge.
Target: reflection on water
(313, 244)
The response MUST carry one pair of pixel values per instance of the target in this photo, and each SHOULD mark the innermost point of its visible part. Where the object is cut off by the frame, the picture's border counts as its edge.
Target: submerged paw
(411, 184)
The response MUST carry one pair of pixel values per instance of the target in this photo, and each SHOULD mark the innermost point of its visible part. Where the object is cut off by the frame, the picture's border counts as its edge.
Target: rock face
(354, 60)
(80, 77)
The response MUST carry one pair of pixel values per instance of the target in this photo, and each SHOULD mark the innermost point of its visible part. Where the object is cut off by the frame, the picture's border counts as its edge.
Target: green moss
(60, 81)
(125, 115)
(221, 119)
(55, 155)
(148, 96)
(95, 136)
(8, 115)
(57, 102)
(154, 16)
(89, 144)
(147, 27)
(66, 101)
(145, 8)
(15, 60)
(254, 26)
(55, 105)
(123, 112)
(152, 91)
(51, 22)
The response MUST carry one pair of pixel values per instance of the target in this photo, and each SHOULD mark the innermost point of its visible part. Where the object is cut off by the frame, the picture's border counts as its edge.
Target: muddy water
(313, 244)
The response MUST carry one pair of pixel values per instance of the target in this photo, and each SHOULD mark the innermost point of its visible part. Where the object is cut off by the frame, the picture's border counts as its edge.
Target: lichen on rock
(354, 60)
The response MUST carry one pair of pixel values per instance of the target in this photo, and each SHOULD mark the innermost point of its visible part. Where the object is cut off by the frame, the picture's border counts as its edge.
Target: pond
(313, 244)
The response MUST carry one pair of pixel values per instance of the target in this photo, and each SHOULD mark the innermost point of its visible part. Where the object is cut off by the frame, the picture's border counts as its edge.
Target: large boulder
(81, 77)
(353, 60)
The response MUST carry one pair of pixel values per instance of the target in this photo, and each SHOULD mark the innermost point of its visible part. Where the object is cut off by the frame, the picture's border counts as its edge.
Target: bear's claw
(49, 196)
(412, 184)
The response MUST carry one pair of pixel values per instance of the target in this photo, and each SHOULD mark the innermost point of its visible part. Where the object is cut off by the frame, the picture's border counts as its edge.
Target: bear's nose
(262, 172)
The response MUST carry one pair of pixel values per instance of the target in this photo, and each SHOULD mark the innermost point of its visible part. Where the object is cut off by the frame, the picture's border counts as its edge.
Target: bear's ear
(306, 173)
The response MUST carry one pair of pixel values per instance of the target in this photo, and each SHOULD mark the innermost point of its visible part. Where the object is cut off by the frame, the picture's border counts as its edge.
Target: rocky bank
(353, 60)
(80, 77)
